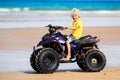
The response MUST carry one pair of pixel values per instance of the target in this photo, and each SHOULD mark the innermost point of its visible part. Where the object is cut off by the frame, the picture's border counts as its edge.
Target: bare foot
(67, 58)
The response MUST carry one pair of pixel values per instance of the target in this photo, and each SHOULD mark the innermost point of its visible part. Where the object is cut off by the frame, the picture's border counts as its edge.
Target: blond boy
(77, 28)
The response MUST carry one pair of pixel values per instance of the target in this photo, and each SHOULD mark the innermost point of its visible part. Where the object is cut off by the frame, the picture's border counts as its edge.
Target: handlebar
(55, 27)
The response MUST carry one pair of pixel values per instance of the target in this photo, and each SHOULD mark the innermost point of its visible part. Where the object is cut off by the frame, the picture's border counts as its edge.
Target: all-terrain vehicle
(48, 53)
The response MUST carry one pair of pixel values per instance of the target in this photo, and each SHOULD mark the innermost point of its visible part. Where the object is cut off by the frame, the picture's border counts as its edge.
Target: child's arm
(73, 28)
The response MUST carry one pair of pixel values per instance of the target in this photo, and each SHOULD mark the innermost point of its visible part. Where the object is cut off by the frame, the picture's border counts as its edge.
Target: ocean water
(24, 5)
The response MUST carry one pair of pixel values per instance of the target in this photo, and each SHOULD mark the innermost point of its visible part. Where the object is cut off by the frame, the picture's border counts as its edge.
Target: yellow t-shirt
(77, 33)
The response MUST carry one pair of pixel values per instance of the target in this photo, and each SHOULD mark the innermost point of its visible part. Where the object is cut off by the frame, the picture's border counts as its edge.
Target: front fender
(40, 43)
(43, 42)
(53, 44)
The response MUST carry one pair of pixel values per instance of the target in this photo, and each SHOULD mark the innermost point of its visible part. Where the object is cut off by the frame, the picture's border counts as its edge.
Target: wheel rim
(49, 60)
(95, 60)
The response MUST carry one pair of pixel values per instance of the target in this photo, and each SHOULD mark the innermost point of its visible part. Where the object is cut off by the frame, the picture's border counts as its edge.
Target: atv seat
(82, 38)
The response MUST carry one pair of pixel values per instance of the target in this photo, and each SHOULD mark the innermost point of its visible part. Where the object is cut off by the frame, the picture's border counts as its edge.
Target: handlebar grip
(55, 27)
(49, 25)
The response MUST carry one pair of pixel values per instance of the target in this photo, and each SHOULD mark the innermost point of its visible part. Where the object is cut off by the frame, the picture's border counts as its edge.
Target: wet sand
(15, 40)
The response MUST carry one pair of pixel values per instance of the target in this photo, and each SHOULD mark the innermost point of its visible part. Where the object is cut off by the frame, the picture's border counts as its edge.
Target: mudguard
(92, 40)
(52, 41)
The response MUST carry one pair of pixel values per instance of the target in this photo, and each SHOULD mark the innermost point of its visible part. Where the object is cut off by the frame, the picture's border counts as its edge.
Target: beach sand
(106, 74)
(26, 38)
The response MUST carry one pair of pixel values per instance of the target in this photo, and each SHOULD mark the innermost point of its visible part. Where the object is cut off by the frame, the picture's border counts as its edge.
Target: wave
(17, 9)
(13, 9)
(40, 11)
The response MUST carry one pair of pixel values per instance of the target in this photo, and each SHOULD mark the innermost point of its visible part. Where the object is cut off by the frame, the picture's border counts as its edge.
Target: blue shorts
(70, 38)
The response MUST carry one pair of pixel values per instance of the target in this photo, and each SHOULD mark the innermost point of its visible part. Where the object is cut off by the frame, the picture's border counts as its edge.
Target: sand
(106, 74)
(26, 38)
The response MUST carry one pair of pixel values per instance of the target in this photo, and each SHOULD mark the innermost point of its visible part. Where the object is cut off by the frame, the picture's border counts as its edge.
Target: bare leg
(69, 50)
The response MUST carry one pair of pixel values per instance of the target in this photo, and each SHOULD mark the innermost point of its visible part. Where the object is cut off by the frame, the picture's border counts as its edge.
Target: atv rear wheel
(93, 61)
(46, 60)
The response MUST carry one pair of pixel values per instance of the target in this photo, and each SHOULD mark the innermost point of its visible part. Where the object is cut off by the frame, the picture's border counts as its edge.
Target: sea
(38, 13)
(21, 5)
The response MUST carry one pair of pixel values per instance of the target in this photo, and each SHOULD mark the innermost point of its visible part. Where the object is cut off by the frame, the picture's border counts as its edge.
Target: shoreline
(29, 19)
(62, 12)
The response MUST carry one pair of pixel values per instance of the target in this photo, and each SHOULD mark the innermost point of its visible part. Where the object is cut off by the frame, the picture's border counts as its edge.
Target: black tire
(32, 59)
(92, 61)
(81, 62)
(46, 61)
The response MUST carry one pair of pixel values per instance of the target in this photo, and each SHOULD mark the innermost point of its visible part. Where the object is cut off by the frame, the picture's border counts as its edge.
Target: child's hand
(65, 27)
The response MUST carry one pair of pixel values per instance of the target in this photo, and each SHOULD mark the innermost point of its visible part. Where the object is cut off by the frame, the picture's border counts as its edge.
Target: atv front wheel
(93, 61)
(32, 59)
(46, 60)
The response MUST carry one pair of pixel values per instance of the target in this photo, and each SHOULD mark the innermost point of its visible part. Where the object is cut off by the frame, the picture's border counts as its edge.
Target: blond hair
(75, 12)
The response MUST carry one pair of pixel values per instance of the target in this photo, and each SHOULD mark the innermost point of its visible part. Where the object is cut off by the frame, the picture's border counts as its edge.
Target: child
(77, 27)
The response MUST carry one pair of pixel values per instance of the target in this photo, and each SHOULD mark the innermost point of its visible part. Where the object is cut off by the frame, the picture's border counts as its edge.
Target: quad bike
(48, 54)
